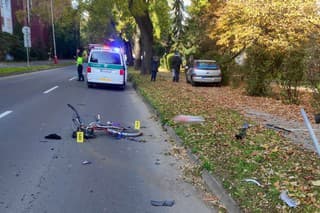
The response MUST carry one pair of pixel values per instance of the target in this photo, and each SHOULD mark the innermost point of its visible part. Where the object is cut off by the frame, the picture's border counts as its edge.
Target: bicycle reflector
(121, 72)
(88, 69)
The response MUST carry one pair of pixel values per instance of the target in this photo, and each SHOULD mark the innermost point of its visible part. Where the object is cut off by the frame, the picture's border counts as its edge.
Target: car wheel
(89, 85)
(192, 82)
(187, 79)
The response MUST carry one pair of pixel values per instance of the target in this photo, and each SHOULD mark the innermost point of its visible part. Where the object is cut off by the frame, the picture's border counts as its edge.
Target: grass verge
(263, 155)
(5, 71)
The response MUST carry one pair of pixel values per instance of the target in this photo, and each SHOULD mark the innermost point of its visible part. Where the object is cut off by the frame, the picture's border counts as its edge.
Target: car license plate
(106, 70)
(105, 79)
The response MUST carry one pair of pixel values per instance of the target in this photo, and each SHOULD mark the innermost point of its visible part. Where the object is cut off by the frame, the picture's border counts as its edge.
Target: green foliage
(67, 39)
(167, 58)
(158, 49)
(194, 30)
(66, 20)
(10, 44)
(313, 72)
(232, 74)
(5, 71)
(258, 72)
(159, 11)
(42, 8)
(278, 25)
(38, 53)
(292, 74)
(124, 21)
(98, 25)
(207, 165)
(178, 20)
(138, 7)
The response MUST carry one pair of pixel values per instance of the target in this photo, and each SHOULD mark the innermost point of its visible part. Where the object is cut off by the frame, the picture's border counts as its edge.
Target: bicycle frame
(110, 128)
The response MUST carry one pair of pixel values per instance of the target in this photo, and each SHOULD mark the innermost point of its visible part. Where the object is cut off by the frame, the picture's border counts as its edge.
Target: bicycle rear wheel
(125, 132)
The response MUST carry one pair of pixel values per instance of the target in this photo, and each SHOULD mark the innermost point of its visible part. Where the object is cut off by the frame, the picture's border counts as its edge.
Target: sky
(187, 2)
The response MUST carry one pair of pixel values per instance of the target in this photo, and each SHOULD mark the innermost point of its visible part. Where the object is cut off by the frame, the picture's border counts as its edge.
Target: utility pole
(53, 35)
(28, 13)
(27, 34)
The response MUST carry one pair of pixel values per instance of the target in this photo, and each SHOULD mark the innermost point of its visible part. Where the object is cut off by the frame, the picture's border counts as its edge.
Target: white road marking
(49, 90)
(74, 77)
(5, 113)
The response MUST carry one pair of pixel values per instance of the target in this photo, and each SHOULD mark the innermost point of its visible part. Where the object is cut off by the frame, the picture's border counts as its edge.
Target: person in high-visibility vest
(80, 66)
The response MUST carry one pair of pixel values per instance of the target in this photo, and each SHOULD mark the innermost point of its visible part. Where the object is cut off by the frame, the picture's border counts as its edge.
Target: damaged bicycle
(110, 128)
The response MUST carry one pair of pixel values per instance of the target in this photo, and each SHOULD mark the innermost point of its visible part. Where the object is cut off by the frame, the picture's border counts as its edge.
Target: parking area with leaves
(263, 154)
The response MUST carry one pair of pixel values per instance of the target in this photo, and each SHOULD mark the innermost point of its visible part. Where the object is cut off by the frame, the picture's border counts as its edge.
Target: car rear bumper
(101, 79)
(104, 82)
(207, 79)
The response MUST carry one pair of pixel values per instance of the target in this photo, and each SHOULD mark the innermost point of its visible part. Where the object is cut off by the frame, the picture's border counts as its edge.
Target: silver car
(204, 71)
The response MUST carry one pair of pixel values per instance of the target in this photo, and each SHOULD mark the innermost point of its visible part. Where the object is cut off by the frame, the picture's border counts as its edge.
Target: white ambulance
(106, 66)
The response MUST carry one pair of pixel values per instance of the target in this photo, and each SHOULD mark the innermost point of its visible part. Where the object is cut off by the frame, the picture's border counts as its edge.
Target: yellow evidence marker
(137, 125)
(80, 138)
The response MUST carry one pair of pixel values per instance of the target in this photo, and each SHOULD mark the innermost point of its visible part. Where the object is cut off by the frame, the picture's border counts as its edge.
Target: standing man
(80, 66)
(155, 62)
(175, 63)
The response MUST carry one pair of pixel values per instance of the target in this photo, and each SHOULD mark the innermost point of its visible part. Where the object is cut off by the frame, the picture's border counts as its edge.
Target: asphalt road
(41, 175)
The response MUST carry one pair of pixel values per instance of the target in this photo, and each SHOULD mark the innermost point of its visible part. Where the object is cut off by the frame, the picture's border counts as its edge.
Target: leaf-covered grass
(25, 69)
(263, 155)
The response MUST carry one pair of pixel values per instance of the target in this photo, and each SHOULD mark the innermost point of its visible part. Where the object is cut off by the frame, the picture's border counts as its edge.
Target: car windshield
(206, 65)
(105, 58)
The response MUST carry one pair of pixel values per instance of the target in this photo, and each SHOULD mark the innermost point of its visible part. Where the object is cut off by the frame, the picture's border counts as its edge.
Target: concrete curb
(212, 183)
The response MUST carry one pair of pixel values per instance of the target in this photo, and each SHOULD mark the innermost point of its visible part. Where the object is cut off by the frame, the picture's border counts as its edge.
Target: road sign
(27, 40)
(26, 36)
(26, 30)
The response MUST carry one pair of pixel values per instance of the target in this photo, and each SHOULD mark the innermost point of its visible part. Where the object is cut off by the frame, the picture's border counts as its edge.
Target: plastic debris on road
(253, 181)
(188, 119)
(162, 203)
(290, 202)
(86, 162)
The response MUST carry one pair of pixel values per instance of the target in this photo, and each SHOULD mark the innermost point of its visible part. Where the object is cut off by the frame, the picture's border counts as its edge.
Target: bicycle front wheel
(125, 132)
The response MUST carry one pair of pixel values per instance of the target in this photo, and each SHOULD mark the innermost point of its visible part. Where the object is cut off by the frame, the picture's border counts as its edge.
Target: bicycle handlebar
(75, 111)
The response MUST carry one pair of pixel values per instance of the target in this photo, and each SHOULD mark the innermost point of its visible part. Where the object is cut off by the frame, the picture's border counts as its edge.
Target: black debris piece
(317, 118)
(277, 128)
(243, 131)
(162, 203)
(136, 140)
(53, 136)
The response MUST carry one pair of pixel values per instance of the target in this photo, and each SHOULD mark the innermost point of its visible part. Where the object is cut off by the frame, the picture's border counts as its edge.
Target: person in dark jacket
(174, 63)
(155, 62)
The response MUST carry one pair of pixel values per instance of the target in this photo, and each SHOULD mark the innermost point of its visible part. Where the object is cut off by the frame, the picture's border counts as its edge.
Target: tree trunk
(146, 29)
(137, 49)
